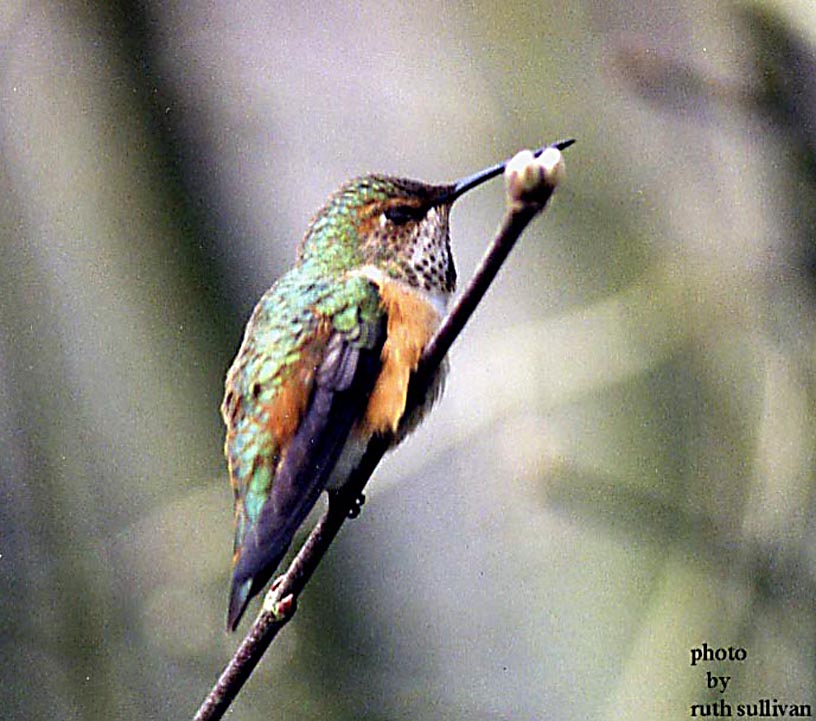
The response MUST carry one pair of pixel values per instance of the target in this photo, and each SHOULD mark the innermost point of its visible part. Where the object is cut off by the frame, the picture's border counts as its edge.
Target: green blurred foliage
(621, 468)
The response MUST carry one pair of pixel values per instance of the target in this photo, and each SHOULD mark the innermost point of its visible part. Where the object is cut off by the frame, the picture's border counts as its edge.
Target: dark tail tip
(240, 594)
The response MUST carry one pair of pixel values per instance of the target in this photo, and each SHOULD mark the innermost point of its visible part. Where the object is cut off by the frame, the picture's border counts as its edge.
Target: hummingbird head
(398, 225)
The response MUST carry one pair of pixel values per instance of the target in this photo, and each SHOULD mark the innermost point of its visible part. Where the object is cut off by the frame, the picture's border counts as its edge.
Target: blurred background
(622, 466)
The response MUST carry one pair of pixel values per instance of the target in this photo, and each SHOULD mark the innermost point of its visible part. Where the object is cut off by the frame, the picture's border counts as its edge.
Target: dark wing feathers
(343, 383)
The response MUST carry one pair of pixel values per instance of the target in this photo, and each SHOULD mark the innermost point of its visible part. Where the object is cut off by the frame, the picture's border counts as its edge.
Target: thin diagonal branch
(530, 183)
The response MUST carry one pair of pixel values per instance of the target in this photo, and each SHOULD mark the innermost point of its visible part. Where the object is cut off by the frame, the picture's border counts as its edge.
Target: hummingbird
(328, 355)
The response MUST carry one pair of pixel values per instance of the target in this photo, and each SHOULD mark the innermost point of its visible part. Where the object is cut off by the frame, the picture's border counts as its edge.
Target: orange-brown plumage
(412, 321)
(286, 409)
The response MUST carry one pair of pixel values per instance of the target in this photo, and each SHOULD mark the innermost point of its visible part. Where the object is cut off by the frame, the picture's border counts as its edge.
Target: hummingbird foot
(357, 507)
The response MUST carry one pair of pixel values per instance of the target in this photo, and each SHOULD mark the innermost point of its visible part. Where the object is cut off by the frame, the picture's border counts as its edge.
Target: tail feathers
(240, 593)
(261, 551)
(259, 557)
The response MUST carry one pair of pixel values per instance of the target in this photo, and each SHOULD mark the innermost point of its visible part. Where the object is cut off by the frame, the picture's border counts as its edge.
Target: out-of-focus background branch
(627, 439)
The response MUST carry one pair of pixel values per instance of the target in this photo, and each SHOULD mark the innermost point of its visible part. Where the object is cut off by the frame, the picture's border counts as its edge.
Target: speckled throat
(417, 253)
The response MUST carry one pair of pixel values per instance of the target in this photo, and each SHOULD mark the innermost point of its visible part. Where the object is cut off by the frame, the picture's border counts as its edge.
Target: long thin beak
(460, 187)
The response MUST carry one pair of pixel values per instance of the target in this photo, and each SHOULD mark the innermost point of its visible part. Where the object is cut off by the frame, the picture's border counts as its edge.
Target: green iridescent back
(285, 322)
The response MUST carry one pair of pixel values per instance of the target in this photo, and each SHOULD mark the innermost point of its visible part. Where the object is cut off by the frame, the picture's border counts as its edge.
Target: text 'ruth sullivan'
(763, 708)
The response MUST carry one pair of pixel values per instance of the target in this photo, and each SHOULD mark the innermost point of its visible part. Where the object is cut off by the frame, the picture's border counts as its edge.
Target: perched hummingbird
(327, 357)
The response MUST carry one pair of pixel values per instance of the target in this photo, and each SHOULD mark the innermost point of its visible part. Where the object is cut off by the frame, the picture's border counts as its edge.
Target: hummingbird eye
(402, 214)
